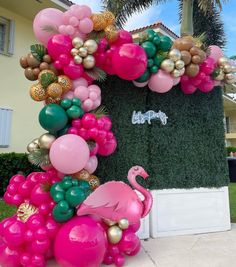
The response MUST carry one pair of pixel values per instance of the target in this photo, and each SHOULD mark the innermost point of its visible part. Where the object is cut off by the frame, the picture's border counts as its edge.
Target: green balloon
(63, 131)
(66, 103)
(215, 73)
(75, 182)
(76, 101)
(62, 212)
(150, 62)
(144, 77)
(66, 184)
(75, 196)
(73, 112)
(53, 118)
(55, 188)
(59, 196)
(84, 185)
(158, 59)
(156, 40)
(165, 44)
(67, 178)
(149, 48)
(151, 34)
(154, 69)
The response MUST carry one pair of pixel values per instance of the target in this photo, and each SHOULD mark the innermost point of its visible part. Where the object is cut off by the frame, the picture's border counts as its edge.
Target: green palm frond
(96, 35)
(206, 5)
(38, 51)
(47, 78)
(39, 157)
(100, 112)
(97, 74)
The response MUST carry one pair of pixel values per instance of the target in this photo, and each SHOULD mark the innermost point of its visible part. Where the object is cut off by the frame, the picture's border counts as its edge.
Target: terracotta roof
(158, 24)
(67, 2)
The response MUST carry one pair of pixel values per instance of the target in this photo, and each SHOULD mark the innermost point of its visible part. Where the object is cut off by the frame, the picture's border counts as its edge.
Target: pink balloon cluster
(202, 81)
(76, 21)
(89, 95)
(97, 130)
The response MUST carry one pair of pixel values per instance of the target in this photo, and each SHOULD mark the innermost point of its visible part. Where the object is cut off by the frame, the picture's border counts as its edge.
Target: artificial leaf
(47, 78)
(100, 112)
(97, 74)
(38, 51)
(39, 157)
(50, 29)
(94, 35)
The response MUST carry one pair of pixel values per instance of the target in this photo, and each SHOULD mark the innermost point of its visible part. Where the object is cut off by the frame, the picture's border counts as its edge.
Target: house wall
(14, 87)
(231, 137)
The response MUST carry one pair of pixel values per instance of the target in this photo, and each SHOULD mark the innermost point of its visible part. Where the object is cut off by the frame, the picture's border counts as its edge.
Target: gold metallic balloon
(32, 146)
(229, 76)
(78, 59)
(109, 17)
(94, 182)
(176, 73)
(167, 65)
(46, 140)
(24, 211)
(109, 222)
(222, 61)
(179, 64)
(192, 70)
(227, 68)
(114, 234)
(82, 175)
(51, 100)
(91, 46)
(123, 224)
(54, 90)
(77, 42)
(74, 51)
(182, 71)
(99, 22)
(232, 81)
(89, 62)
(37, 92)
(111, 33)
(65, 83)
(174, 54)
(83, 52)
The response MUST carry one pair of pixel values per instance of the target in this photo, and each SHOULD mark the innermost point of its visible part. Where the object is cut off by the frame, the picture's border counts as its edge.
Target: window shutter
(11, 38)
(5, 126)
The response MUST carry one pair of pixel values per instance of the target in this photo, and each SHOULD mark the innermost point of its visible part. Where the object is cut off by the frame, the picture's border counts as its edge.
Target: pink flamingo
(116, 200)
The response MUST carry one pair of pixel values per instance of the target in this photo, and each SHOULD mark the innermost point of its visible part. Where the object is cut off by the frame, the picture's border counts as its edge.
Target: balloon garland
(77, 48)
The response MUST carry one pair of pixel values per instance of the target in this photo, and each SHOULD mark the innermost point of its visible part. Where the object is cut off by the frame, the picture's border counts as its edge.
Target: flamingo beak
(145, 175)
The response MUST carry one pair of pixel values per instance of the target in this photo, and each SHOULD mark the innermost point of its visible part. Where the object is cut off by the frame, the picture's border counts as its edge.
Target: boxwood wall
(187, 152)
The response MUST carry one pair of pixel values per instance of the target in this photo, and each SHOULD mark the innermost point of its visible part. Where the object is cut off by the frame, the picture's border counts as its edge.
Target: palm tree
(123, 9)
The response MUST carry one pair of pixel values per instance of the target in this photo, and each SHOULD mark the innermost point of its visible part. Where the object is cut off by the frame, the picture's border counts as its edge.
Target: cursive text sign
(140, 118)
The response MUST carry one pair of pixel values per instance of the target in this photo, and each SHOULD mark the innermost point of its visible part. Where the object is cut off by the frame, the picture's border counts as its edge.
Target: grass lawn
(6, 210)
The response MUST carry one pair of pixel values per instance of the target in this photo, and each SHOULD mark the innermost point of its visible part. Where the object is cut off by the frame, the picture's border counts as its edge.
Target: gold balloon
(99, 22)
(54, 90)
(24, 211)
(109, 17)
(46, 140)
(32, 147)
(182, 71)
(82, 175)
(186, 57)
(229, 76)
(91, 46)
(83, 52)
(94, 182)
(77, 42)
(114, 234)
(89, 62)
(227, 68)
(179, 64)
(222, 61)
(111, 33)
(232, 81)
(109, 222)
(176, 73)
(167, 65)
(37, 92)
(123, 224)
(192, 70)
(174, 55)
(74, 51)
(51, 100)
(65, 83)
(78, 59)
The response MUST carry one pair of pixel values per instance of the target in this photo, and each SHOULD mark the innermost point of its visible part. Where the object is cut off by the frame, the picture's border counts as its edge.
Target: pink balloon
(161, 82)
(49, 17)
(107, 147)
(80, 242)
(129, 242)
(91, 165)
(70, 30)
(14, 233)
(73, 71)
(8, 257)
(73, 21)
(81, 11)
(72, 148)
(206, 87)
(69, 95)
(188, 88)
(137, 84)
(176, 81)
(87, 105)
(124, 37)
(129, 61)
(86, 25)
(81, 92)
(59, 44)
(215, 52)
(79, 82)
(95, 88)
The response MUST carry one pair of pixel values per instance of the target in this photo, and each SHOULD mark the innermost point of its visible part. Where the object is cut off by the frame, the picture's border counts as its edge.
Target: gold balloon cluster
(114, 232)
(226, 71)
(173, 64)
(83, 52)
(105, 22)
(93, 180)
(50, 87)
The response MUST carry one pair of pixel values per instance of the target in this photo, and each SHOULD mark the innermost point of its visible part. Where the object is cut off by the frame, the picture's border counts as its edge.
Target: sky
(168, 14)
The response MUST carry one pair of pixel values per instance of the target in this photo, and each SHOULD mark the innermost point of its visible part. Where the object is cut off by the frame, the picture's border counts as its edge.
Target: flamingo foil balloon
(116, 200)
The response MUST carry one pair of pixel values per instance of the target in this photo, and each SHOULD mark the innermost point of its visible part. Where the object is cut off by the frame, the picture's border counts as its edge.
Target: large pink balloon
(215, 52)
(161, 82)
(81, 242)
(69, 154)
(49, 17)
(129, 61)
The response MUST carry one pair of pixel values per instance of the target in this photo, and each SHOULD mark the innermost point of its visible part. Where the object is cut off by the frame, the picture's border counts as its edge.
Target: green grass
(6, 210)
(232, 198)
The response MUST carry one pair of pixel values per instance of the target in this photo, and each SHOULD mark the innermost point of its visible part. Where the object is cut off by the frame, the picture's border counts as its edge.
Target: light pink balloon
(79, 82)
(161, 82)
(215, 52)
(74, 21)
(137, 84)
(93, 95)
(69, 95)
(81, 92)
(69, 154)
(92, 164)
(81, 11)
(176, 81)
(87, 105)
(95, 88)
(47, 17)
(86, 25)
(70, 30)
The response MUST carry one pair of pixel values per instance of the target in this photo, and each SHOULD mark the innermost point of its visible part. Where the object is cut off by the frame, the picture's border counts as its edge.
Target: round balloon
(129, 61)
(69, 154)
(161, 82)
(215, 52)
(80, 242)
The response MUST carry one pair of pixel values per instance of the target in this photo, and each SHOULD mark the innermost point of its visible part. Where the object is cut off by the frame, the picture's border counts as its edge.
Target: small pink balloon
(124, 37)
(176, 81)
(87, 105)
(135, 251)
(135, 227)
(74, 21)
(74, 149)
(93, 96)
(79, 82)
(64, 59)
(97, 103)
(62, 29)
(81, 11)
(14, 233)
(215, 52)
(107, 148)
(95, 88)
(69, 95)
(91, 165)
(140, 85)
(59, 44)
(70, 30)
(86, 25)
(81, 92)
(129, 241)
(119, 260)
(161, 82)
(73, 71)
(188, 88)
(9, 257)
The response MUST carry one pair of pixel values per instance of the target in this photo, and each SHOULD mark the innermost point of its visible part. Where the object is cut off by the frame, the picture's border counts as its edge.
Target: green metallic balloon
(74, 112)
(149, 48)
(151, 34)
(66, 103)
(66, 184)
(144, 77)
(75, 196)
(216, 73)
(62, 212)
(165, 44)
(53, 118)
(63, 131)
(58, 197)
(76, 101)
(156, 40)
(154, 69)
(55, 188)
(75, 182)
(150, 62)
(84, 185)
(158, 59)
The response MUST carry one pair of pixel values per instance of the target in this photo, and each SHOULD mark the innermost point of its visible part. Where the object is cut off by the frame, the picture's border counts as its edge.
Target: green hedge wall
(11, 164)
(187, 152)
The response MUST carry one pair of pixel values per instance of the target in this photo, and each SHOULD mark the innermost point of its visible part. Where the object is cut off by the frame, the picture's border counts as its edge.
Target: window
(6, 36)
(5, 127)
(227, 124)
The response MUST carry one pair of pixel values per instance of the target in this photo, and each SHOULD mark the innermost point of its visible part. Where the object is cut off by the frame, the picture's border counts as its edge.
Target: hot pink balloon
(188, 88)
(140, 85)
(129, 242)
(215, 52)
(86, 25)
(73, 71)
(72, 148)
(129, 61)
(206, 87)
(80, 242)
(91, 165)
(9, 257)
(59, 44)
(116, 200)
(49, 17)
(161, 82)
(124, 37)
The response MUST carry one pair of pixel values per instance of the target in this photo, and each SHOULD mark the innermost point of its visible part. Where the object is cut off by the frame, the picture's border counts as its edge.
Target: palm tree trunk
(187, 18)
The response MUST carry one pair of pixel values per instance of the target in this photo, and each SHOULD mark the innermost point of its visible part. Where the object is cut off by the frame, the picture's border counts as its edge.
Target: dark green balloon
(150, 62)
(62, 212)
(53, 118)
(75, 182)
(73, 112)
(75, 196)
(84, 185)
(63, 131)
(66, 184)
(156, 40)
(59, 196)
(66, 103)
(165, 44)
(154, 69)
(215, 73)
(158, 59)
(144, 77)
(149, 48)
(55, 188)
(76, 101)
(151, 34)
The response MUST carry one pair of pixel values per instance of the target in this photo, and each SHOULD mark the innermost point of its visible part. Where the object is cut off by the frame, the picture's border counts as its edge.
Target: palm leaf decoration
(100, 112)
(96, 35)
(38, 51)
(39, 157)
(50, 29)
(47, 78)
(97, 74)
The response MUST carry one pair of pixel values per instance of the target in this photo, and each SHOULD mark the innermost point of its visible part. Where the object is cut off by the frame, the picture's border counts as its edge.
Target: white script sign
(140, 118)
